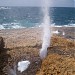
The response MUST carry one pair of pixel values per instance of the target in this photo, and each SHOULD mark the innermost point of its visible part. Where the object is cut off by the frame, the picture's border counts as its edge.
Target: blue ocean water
(21, 17)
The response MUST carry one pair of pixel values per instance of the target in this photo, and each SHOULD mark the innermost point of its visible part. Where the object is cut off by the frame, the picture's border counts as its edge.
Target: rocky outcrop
(2, 44)
(60, 59)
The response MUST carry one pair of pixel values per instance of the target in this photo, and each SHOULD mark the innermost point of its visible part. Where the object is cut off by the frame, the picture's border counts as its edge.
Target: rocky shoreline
(24, 44)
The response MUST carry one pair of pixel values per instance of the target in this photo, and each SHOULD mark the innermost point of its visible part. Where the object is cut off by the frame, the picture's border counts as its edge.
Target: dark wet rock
(2, 44)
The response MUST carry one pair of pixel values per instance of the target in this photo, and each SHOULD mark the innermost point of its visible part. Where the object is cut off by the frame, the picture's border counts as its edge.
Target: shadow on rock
(58, 50)
(3, 56)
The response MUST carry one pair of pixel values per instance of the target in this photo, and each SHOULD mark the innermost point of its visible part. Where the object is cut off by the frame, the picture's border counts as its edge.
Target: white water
(46, 29)
(23, 65)
(55, 32)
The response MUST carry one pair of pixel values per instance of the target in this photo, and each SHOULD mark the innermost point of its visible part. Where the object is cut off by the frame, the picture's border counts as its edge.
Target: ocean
(24, 17)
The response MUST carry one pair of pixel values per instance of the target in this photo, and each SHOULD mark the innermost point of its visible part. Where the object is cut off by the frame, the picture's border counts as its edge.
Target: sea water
(23, 17)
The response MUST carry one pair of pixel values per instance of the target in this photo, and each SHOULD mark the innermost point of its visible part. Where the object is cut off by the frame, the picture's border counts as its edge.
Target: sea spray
(46, 29)
(11, 71)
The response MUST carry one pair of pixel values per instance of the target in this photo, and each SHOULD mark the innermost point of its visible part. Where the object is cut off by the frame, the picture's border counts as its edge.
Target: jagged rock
(2, 44)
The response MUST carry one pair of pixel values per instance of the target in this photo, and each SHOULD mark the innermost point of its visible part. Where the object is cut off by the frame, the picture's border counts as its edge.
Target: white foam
(5, 8)
(58, 26)
(2, 27)
(11, 26)
(16, 27)
(32, 27)
(69, 25)
(55, 32)
(5, 24)
(23, 65)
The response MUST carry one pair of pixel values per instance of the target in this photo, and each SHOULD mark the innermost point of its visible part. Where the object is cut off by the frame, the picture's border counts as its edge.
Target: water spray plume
(12, 71)
(46, 29)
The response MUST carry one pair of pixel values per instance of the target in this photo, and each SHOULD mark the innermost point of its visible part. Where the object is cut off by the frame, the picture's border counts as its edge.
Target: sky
(55, 3)
(74, 3)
